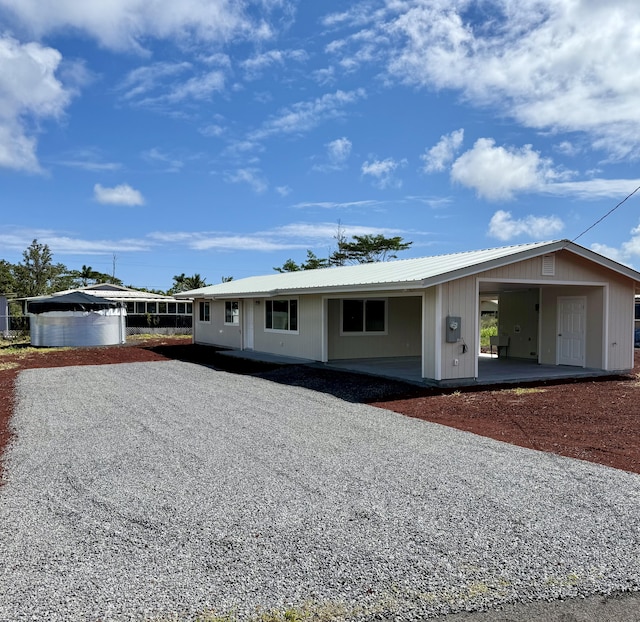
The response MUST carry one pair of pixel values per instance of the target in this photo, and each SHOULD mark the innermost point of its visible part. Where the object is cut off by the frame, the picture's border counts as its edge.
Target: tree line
(367, 248)
(37, 274)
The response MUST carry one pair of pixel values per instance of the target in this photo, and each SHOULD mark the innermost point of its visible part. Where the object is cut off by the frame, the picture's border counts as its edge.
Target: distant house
(559, 304)
(146, 312)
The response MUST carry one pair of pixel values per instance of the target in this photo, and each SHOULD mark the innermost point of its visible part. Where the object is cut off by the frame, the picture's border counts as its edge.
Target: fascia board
(603, 261)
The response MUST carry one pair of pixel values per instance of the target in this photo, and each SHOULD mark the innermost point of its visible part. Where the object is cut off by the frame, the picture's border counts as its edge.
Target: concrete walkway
(491, 369)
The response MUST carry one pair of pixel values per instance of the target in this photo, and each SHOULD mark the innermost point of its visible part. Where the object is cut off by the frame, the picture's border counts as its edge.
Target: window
(189, 309)
(204, 314)
(162, 307)
(231, 312)
(171, 307)
(281, 315)
(364, 316)
(131, 306)
(152, 307)
(181, 308)
(141, 307)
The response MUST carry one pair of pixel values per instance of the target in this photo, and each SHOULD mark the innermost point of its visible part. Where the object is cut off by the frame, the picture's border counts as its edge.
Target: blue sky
(224, 137)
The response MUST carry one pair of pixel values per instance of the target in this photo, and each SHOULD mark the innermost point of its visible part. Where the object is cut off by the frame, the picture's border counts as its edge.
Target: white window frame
(204, 305)
(235, 312)
(364, 332)
(286, 331)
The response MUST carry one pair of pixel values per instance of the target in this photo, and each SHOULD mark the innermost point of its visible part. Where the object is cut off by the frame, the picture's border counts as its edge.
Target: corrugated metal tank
(103, 327)
(76, 319)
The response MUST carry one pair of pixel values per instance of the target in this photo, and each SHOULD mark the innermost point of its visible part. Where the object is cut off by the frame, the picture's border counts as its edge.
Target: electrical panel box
(453, 328)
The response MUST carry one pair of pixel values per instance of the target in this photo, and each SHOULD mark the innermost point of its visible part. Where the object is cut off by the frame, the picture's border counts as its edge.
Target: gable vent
(548, 265)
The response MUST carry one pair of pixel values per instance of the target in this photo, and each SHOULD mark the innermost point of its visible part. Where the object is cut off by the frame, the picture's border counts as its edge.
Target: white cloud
(336, 205)
(383, 172)
(123, 194)
(338, 152)
(240, 242)
(283, 191)
(251, 176)
(327, 231)
(304, 116)
(559, 65)
(29, 92)
(504, 227)
(627, 252)
(165, 84)
(443, 152)
(126, 24)
(168, 163)
(63, 243)
(294, 236)
(593, 188)
(497, 173)
(255, 65)
(89, 159)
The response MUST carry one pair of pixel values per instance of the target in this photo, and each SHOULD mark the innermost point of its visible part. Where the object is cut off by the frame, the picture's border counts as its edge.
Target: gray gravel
(160, 490)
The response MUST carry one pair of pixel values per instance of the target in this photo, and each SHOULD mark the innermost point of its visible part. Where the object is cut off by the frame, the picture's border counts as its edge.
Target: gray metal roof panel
(403, 272)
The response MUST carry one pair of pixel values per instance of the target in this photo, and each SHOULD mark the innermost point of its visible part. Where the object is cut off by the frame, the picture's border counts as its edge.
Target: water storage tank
(76, 319)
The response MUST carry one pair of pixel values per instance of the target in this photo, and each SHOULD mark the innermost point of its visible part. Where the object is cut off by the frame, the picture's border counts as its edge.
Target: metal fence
(14, 327)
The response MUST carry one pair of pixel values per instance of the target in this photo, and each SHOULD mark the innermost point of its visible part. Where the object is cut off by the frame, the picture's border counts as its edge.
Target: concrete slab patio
(491, 369)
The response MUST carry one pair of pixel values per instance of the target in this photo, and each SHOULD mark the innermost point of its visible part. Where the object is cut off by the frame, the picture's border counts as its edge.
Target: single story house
(559, 304)
(147, 312)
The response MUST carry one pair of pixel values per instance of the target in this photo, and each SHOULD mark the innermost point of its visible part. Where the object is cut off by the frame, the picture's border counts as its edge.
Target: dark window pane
(131, 306)
(162, 307)
(181, 308)
(141, 307)
(189, 307)
(352, 316)
(171, 307)
(374, 315)
(293, 315)
(268, 307)
(152, 307)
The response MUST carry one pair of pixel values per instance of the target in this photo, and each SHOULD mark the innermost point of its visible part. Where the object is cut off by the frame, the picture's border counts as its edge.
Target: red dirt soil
(595, 420)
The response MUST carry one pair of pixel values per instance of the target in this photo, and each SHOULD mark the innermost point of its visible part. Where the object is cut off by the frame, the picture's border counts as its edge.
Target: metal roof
(114, 292)
(398, 274)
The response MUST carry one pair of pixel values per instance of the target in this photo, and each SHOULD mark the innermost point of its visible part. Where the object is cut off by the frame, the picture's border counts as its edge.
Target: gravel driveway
(148, 490)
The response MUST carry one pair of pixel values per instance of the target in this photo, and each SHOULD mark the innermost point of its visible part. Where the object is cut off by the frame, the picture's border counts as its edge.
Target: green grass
(525, 390)
(488, 328)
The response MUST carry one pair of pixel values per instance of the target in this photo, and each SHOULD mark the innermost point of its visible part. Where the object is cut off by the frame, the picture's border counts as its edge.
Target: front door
(572, 317)
(247, 324)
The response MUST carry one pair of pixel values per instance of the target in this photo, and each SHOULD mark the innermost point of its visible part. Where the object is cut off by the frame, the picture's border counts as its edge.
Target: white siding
(304, 343)
(459, 299)
(404, 331)
(215, 332)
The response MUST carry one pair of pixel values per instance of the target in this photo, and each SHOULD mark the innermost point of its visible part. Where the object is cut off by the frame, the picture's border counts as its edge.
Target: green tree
(37, 274)
(7, 279)
(312, 263)
(88, 276)
(367, 248)
(360, 249)
(183, 283)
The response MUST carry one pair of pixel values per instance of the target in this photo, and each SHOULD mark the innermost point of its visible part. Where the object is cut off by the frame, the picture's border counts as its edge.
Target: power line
(613, 209)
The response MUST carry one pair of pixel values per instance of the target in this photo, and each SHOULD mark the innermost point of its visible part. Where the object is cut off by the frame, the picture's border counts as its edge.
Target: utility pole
(113, 275)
